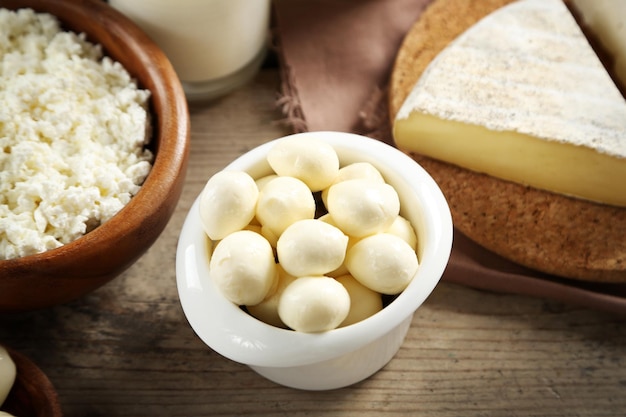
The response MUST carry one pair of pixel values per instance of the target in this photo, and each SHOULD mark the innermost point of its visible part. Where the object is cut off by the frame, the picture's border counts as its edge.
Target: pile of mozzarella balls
(311, 247)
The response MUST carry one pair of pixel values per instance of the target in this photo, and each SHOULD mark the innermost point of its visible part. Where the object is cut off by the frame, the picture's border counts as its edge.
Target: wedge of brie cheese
(522, 96)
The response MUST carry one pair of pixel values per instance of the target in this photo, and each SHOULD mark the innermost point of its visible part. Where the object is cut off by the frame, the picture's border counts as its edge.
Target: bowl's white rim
(236, 335)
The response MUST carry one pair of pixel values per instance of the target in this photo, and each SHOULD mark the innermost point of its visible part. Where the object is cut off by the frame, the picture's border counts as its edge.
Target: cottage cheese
(73, 130)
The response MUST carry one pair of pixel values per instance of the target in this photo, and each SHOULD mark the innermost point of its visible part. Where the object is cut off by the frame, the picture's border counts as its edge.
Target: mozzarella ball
(353, 171)
(401, 227)
(342, 270)
(363, 301)
(383, 262)
(362, 207)
(253, 228)
(243, 267)
(267, 310)
(314, 304)
(227, 203)
(359, 170)
(269, 235)
(314, 162)
(260, 183)
(283, 201)
(311, 247)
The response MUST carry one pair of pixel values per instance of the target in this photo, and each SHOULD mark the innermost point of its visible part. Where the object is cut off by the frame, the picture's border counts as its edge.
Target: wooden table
(127, 349)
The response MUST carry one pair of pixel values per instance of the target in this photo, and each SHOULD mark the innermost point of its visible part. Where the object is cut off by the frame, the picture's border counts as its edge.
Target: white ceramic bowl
(339, 357)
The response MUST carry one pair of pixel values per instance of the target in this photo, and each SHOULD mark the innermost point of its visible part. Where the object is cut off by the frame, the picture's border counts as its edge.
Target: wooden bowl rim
(30, 376)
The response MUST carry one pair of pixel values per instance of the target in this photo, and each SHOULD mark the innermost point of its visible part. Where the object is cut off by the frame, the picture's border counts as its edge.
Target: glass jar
(215, 46)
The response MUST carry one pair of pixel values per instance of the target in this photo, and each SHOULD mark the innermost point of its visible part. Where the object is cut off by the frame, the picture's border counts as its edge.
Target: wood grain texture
(127, 350)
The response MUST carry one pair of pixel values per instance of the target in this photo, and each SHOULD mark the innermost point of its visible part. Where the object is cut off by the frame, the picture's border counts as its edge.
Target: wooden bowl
(32, 394)
(66, 273)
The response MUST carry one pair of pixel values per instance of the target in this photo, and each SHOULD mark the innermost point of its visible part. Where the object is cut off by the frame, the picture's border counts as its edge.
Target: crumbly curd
(73, 130)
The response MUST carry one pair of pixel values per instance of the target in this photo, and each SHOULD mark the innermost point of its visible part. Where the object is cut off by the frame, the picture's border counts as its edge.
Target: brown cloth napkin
(336, 58)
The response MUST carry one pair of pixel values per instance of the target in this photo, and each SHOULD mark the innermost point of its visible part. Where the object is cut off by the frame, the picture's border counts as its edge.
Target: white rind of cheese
(525, 69)
(607, 21)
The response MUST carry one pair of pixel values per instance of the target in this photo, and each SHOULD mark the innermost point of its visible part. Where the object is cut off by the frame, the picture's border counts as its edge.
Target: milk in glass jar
(214, 45)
